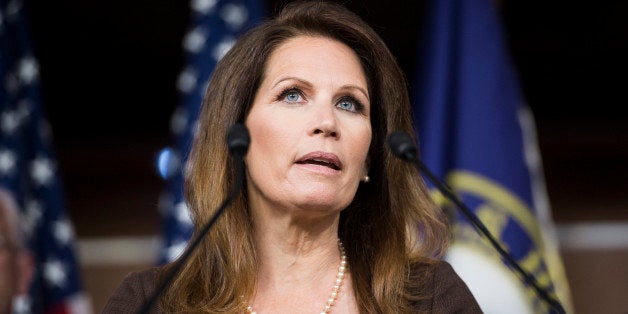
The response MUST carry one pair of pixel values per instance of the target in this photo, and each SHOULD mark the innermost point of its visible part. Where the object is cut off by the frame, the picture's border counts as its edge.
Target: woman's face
(310, 128)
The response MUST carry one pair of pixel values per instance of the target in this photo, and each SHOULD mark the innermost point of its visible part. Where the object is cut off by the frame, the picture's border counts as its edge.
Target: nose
(325, 122)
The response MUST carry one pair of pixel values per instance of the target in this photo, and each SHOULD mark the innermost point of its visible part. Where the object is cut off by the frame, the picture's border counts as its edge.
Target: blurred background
(108, 72)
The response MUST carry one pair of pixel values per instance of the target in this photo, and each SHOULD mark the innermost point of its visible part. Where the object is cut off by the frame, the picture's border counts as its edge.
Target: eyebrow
(308, 84)
(359, 89)
(292, 78)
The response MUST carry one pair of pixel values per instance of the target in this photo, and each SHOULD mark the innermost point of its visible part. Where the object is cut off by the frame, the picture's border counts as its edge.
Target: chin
(323, 201)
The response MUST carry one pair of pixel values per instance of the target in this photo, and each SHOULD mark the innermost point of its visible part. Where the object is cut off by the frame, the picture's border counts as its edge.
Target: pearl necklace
(335, 291)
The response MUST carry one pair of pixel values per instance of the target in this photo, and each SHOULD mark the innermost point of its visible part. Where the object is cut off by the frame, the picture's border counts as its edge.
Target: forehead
(315, 54)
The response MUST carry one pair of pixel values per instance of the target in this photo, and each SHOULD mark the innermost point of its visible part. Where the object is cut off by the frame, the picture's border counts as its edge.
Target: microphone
(238, 141)
(402, 146)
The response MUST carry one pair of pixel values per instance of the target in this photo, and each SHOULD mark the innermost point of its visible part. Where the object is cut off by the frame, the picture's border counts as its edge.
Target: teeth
(323, 162)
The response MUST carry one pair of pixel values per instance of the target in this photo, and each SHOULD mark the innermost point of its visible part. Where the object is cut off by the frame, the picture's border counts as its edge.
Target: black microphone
(404, 147)
(238, 141)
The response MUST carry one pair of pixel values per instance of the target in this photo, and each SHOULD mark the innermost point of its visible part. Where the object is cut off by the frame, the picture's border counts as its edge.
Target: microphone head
(238, 139)
(402, 146)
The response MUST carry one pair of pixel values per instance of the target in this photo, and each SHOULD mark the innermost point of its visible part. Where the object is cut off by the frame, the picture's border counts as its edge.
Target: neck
(300, 286)
(290, 251)
(298, 259)
(292, 238)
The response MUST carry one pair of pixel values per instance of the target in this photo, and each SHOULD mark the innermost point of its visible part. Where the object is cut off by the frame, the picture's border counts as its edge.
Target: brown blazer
(449, 293)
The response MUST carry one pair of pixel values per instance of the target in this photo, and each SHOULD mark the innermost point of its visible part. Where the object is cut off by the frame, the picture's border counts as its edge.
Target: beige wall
(598, 280)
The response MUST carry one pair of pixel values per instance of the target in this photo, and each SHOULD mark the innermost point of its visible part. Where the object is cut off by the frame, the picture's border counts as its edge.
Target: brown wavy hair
(390, 227)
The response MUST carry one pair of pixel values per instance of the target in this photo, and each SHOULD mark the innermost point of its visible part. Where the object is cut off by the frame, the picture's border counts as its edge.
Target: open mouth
(319, 158)
(320, 162)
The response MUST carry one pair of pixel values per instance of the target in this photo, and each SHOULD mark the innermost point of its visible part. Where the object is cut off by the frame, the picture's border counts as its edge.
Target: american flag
(215, 25)
(29, 172)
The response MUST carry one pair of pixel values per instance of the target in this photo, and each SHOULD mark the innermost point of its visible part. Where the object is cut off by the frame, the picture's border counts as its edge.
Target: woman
(329, 220)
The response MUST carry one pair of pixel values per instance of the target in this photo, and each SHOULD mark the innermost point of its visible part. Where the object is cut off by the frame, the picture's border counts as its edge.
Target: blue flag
(476, 132)
(215, 27)
(28, 171)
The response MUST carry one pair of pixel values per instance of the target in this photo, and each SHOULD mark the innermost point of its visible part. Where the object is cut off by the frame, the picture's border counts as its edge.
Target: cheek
(359, 149)
(363, 141)
(269, 139)
(267, 136)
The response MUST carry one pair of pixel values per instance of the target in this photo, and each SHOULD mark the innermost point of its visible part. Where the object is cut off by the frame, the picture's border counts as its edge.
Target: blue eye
(291, 95)
(349, 104)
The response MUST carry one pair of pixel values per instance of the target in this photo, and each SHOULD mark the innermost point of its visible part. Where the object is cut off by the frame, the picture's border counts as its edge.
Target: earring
(366, 179)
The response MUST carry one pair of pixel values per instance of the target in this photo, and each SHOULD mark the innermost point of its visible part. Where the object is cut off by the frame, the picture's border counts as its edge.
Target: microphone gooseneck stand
(404, 148)
(238, 143)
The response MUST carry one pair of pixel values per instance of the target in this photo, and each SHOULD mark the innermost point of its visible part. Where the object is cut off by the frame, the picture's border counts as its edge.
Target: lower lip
(319, 169)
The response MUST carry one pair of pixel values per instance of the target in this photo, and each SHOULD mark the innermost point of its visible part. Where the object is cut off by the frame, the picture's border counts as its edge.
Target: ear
(25, 272)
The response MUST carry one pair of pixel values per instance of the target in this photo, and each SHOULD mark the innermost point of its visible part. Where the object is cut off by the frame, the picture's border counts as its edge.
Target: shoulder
(446, 292)
(134, 290)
